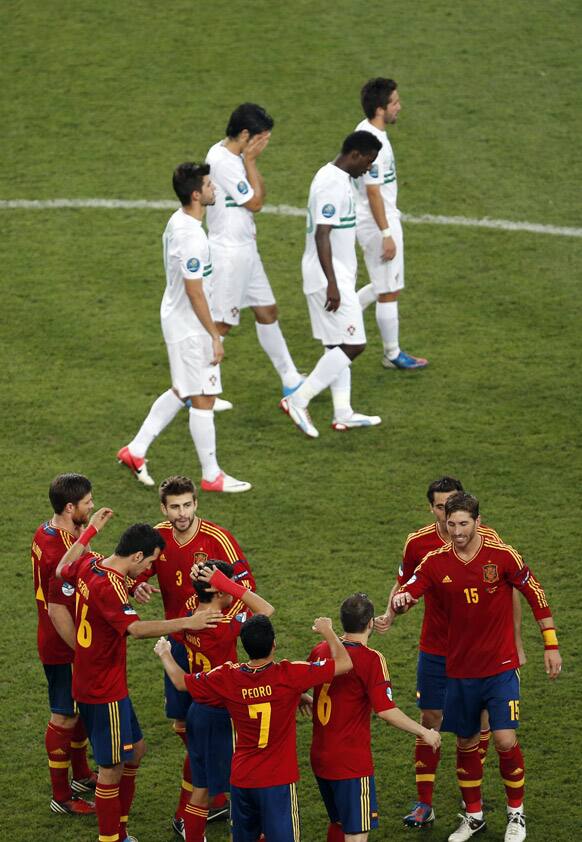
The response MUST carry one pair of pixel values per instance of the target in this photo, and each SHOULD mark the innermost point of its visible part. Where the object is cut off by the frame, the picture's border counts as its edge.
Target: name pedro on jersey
(256, 692)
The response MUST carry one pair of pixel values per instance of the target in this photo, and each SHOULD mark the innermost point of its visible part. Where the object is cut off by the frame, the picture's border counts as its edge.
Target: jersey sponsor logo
(193, 264)
(490, 573)
(242, 187)
(127, 609)
(447, 580)
(328, 210)
(200, 558)
(67, 589)
(373, 172)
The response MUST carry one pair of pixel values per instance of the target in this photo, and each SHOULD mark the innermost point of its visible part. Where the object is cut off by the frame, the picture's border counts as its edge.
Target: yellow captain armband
(550, 638)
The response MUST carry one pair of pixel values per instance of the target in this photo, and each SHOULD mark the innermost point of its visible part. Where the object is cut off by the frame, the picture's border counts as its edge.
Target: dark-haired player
(329, 268)
(240, 279)
(65, 738)
(341, 755)
(262, 697)
(473, 577)
(192, 338)
(104, 618)
(188, 538)
(379, 228)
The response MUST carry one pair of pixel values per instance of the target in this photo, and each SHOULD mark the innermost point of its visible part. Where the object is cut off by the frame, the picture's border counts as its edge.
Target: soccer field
(102, 100)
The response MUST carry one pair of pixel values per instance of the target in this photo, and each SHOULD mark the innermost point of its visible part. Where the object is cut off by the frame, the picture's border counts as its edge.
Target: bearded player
(188, 539)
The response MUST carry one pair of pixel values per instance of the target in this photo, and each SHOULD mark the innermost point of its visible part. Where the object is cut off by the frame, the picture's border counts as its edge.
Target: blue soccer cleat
(421, 815)
(404, 361)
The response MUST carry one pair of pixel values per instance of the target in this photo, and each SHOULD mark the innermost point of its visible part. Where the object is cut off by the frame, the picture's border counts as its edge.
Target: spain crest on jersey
(490, 573)
(200, 558)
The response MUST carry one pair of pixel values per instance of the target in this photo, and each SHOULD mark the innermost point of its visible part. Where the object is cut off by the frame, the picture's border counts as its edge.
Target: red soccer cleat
(74, 807)
(136, 464)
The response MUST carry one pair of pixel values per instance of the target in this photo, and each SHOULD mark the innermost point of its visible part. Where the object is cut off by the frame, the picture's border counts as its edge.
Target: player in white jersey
(329, 269)
(193, 341)
(240, 279)
(379, 228)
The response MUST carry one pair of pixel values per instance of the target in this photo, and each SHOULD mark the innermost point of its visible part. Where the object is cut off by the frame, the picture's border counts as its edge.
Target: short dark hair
(356, 611)
(375, 94)
(188, 177)
(68, 488)
(176, 485)
(442, 485)
(141, 537)
(257, 636)
(251, 117)
(202, 589)
(462, 502)
(362, 142)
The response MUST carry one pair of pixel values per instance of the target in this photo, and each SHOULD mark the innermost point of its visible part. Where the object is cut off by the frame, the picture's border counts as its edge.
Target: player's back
(212, 647)
(48, 547)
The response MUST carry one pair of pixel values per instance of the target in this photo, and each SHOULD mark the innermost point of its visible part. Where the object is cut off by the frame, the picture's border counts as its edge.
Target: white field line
(288, 210)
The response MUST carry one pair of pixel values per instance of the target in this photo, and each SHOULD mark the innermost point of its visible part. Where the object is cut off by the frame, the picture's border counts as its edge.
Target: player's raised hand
(202, 572)
(100, 518)
(402, 602)
(143, 592)
(162, 646)
(257, 144)
(204, 618)
(321, 625)
(382, 623)
(552, 663)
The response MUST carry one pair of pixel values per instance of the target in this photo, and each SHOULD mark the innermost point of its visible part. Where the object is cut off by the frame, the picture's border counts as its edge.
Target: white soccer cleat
(137, 465)
(469, 827)
(220, 405)
(515, 830)
(356, 419)
(225, 484)
(300, 417)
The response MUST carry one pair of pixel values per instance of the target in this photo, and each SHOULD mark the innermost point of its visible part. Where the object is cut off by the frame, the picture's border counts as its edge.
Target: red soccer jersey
(477, 599)
(103, 616)
(262, 704)
(341, 713)
(433, 635)
(48, 547)
(173, 565)
(211, 648)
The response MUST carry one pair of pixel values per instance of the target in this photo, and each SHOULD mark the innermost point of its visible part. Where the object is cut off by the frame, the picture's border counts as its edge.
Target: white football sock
(327, 369)
(387, 320)
(273, 343)
(341, 392)
(366, 295)
(164, 410)
(478, 815)
(201, 422)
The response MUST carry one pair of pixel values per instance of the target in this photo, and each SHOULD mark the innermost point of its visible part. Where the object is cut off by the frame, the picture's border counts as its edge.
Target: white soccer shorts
(239, 281)
(385, 276)
(344, 327)
(190, 368)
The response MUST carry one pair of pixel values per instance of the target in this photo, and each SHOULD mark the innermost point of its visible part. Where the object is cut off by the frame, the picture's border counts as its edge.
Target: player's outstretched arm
(343, 662)
(216, 578)
(79, 548)
(402, 602)
(175, 672)
(203, 618)
(385, 620)
(400, 720)
(552, 657)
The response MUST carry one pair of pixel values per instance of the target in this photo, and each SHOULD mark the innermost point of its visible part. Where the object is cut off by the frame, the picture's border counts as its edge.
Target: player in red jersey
(341, 756)
(65, 738)
(104, 618)
(188, 539)
(473, 579)
(431, 672)
(262, 697)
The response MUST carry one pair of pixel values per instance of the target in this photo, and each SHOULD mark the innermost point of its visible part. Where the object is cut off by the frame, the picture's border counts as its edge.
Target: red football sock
(484, 740)
(512, 768)
(57, 741)
(195, 822)
(186, 788)
(108, 811)
(126, 793)
(79, 744)
(335, 832)
(469, 776)
(425, 762)
(218, 801)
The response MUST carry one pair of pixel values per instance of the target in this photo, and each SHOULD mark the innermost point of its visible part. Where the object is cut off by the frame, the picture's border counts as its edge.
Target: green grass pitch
(102, 100)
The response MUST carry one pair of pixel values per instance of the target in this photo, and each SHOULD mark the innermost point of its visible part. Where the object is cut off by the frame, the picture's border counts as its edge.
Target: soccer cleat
(75, 806)
(218, 813)
(300, 417)
(225, 483)
(356, 419)
(421, 815)
(178, 826)
(515, 830)
(220, 405)
(130, 839)
(469, 827)
(84, 785)
(288, 390)
(136, 464)
(404, 361)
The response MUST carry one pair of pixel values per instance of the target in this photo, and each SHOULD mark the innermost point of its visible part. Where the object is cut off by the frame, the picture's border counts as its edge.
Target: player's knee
(431, 719)
(467, 742)
(63, 720)
(139, 751)
(386, 297)
(266, 315)
(504, 740)
(353, 351)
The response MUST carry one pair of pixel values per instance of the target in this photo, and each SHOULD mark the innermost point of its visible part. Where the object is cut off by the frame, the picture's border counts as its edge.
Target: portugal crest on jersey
(200, 558)
(490, 573)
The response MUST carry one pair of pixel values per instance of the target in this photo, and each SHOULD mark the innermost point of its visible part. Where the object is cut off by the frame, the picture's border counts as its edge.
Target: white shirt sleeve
(375, 176)
(328, 203)
(192, 259)
(230, 175)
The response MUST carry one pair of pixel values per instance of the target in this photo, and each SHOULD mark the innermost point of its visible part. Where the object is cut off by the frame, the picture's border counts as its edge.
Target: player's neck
(443, 534)
(356, 637)
(66, 523)
(260, 662)
(233, 145)
(195, 210)
(378, 123)
(117, 563)
(184, 537)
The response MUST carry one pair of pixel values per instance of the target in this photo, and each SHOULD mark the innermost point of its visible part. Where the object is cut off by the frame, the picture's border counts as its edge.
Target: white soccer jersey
(186, 255)
(331, 202)
(382, 174)
(229, 224)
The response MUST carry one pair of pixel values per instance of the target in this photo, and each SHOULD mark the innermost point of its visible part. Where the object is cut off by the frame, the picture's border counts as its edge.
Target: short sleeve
(204, 686)
(230, 174)
(328, 199)
(305, 674)
(378, 685)
(375, 175)
(408, 564)
(61, 592)
(120, 615)
(69, 571)
(192, 258)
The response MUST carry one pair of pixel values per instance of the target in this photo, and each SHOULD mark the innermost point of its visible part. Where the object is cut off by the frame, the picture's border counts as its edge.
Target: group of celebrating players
(468, 679)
